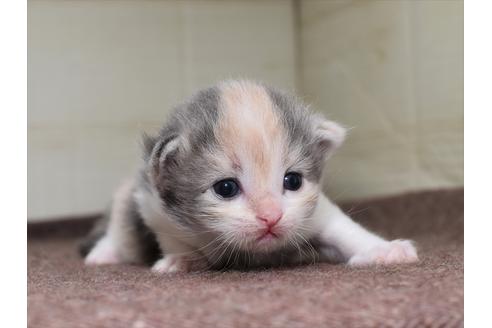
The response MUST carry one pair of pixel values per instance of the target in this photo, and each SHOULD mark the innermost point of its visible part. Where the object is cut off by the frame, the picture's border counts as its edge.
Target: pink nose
(270, 216)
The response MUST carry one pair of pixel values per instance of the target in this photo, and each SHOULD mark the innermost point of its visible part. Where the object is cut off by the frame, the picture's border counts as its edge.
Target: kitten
(233, 181)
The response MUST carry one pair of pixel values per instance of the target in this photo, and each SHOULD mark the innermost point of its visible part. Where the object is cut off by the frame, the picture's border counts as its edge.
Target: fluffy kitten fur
(169, 214)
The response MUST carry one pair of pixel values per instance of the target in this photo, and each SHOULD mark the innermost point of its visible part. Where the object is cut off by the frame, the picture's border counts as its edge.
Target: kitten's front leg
(358, 246)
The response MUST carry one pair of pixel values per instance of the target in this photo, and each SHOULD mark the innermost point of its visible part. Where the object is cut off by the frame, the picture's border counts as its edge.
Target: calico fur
(169, 215)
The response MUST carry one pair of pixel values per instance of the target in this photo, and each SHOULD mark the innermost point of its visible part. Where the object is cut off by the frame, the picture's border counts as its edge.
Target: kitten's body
(232, 180)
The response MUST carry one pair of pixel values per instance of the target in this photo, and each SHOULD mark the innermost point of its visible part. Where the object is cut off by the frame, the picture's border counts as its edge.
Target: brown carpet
(64, 293)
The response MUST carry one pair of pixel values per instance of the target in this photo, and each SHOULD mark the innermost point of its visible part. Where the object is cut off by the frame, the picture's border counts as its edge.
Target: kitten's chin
(266, 243)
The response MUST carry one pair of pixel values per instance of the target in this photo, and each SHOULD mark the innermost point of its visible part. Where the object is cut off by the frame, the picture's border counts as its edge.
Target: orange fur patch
(249, 130)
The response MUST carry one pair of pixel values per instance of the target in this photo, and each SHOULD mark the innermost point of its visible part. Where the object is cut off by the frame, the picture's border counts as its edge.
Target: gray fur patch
(299, 123)
(180, 180)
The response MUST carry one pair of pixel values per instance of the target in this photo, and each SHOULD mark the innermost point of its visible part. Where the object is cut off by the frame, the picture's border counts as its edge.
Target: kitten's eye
(292, 181)
(227, 188)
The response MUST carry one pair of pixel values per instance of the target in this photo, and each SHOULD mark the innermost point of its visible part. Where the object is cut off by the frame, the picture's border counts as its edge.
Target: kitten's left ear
(330, 135)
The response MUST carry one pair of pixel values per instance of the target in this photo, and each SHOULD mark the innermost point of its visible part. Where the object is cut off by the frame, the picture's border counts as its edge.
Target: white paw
(396, 251)
(103, 253)
(171, 263)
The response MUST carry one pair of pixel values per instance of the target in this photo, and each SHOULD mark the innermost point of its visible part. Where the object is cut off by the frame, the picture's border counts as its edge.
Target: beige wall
(100, 72)
(393, 71)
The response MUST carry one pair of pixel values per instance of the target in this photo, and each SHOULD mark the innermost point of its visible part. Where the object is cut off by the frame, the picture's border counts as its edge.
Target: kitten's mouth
(267, 240)
(267, 235)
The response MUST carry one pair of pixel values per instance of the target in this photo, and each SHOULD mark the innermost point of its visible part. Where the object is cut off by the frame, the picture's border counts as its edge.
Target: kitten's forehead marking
(250, 130)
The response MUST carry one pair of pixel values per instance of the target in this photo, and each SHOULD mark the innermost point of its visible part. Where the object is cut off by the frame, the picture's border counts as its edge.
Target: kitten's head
(243, 161)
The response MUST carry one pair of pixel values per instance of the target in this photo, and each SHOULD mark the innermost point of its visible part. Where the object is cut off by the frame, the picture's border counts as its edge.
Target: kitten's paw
(396, 251)
(103, 253)
(171, 263)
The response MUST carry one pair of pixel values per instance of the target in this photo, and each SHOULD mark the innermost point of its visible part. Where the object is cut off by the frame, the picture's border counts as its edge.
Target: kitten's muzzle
(269, 222)
(268, 212)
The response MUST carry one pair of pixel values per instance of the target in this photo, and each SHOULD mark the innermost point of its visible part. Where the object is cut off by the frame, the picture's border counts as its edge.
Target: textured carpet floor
(64, 293)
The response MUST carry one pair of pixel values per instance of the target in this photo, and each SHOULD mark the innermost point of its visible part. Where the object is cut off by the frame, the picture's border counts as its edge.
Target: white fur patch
(103, 253)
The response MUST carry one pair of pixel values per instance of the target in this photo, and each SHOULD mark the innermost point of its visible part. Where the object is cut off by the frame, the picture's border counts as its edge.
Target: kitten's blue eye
(227, 188)
(292, 181)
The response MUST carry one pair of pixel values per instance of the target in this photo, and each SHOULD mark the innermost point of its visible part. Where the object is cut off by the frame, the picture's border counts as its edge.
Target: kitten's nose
(269, 215)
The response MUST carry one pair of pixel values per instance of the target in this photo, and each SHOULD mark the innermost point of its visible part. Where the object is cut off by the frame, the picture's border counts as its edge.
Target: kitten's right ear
(160, 152)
